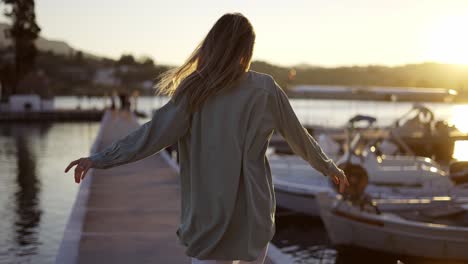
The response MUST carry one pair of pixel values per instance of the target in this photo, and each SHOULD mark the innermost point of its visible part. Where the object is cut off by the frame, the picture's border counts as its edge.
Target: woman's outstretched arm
(166, 126)
(297, 136)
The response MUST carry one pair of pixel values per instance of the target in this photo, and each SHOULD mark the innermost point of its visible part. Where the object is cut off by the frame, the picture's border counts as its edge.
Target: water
(309, 111)
(36, 196)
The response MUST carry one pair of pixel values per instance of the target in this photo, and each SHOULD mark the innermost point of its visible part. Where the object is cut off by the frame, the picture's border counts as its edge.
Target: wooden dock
(125, 214)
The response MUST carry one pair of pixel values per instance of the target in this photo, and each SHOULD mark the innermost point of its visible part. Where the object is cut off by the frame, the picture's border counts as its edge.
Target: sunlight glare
(459, 117)
(461, 150)
(448, 40)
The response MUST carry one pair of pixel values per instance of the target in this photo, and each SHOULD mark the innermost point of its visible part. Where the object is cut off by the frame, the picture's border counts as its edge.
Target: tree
(24, 31)
(126, 59)
(147, 61)
(79, 57)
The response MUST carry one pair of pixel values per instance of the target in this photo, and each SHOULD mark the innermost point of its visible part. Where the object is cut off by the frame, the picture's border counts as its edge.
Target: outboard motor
(355, 192)
(357, 175)
(459, 172)
(358, 180)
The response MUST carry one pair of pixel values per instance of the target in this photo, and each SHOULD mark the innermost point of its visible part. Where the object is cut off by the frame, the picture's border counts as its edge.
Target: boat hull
(302, 203)
(391, 234)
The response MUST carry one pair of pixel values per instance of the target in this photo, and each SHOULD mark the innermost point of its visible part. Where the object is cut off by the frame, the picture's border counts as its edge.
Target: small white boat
(296, 185)
(389, 176)
(389, 170)
(436, 230)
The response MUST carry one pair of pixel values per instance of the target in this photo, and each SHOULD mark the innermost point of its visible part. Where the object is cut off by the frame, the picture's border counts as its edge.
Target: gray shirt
(227, 195)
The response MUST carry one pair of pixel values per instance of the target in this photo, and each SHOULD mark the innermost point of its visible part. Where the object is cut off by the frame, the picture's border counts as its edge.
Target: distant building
(30, 102)
(32, 94)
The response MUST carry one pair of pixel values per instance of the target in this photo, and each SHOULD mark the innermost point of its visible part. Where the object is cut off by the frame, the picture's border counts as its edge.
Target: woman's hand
(82, 167)
(339, 178)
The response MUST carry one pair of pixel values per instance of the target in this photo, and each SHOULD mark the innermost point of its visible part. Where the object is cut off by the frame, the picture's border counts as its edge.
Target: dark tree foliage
(147, 61)
(23, 32)
(126, 59)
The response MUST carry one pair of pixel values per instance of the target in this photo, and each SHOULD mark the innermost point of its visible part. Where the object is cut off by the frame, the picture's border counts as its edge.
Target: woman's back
(227, 196)
(228, 199)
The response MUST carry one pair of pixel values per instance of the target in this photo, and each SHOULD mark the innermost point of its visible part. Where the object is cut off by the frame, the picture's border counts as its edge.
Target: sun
(448, 40)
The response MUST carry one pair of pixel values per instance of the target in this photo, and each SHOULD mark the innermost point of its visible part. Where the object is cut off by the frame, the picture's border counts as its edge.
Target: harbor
(399, 204)
(386, 99)
(299, 192)
(301, 235)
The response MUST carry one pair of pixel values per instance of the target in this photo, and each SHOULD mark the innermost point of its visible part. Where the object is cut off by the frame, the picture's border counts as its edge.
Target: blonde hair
(215, 65)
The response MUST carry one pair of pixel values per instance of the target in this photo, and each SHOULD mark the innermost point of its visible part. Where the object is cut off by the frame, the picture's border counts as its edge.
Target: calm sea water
(36, 196)
(320, 112)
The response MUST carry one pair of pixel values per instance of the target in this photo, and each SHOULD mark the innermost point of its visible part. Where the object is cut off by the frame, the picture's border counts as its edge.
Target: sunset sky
(326, 33)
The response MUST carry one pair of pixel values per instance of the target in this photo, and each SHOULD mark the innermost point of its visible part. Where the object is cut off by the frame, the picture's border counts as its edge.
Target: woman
(222, 115)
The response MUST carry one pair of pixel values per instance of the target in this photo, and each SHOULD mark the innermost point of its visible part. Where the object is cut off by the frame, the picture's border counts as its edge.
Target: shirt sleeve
(296, 135)
(167, 125)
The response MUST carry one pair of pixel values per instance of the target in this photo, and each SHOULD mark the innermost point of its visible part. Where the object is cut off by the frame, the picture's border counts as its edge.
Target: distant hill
(69, 76)
(43, 44)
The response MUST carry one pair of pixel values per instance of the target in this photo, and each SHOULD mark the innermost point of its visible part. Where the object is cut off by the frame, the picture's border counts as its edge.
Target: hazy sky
(327, 32)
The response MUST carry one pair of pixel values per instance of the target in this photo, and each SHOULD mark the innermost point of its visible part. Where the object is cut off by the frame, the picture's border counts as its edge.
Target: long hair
(216, 64)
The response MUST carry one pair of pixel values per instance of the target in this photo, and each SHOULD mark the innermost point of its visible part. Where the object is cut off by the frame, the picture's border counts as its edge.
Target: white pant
(259, 260)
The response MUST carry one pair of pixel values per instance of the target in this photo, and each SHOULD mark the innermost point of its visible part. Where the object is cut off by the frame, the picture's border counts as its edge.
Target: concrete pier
(125, 214)
(57, 115)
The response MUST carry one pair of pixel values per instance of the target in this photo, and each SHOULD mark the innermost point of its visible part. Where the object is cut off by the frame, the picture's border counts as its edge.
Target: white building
(29, 102)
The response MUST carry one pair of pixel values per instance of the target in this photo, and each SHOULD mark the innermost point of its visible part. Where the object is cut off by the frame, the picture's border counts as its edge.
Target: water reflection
(35, 194)
(28, 212)
(22, 183)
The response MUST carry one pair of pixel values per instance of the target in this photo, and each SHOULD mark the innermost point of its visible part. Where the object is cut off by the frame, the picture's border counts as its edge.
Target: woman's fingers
(341, 180)
(336, 180)
(84, 172)
(78, 172)
(73, 163)
(82, 167)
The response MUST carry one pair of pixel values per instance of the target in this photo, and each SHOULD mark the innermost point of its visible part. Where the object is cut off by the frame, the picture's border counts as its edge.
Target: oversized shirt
(227, 196)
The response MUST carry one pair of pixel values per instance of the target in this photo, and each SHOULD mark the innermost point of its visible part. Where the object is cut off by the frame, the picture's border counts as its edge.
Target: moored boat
(435, 231)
